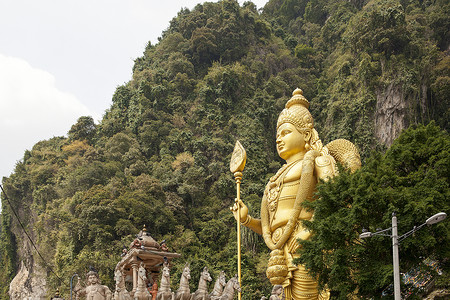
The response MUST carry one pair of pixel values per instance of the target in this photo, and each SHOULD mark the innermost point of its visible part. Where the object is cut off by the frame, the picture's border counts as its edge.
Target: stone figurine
(277, 292)
(184, 292)
(218, 286)
(121, 292)
(142, 292)
(230, 288)
(94, 290)
(154, 290)
(164, 291)
(202, 292)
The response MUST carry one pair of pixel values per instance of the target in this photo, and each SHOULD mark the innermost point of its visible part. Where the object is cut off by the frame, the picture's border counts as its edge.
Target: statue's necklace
(274, 186)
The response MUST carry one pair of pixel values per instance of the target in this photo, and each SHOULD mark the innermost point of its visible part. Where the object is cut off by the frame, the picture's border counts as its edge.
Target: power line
(26, 233)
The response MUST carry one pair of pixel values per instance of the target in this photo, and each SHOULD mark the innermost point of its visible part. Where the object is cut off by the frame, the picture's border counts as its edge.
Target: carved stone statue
(202, 292)
(121, 292)
(277, 292)
(230, 288)
(218, 286)
(307, 161)
(154, 290)
(164, 291)
(94, 290)
(141, 292)
(184, 292)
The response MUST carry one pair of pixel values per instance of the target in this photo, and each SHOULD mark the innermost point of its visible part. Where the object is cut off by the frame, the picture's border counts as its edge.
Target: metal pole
(396, 240)
(71, 284)
(397, 294)
(238, 178)
(237, 165)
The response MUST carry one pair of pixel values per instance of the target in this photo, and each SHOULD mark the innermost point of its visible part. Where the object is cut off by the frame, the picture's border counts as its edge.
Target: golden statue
(307, 161)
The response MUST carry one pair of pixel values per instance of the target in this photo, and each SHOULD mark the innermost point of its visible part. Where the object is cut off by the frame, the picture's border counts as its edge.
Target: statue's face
(289, 141)
(92, 279)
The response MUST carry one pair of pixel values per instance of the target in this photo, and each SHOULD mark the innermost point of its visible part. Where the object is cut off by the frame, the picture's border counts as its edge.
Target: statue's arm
(80, 293)
(78, 289)
(325, 167)
(253, 224)
(245, 218)
(107, 293)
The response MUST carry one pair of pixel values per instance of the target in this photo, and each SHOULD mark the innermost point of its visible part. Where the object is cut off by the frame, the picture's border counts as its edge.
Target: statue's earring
(307, 140)
(307, 147)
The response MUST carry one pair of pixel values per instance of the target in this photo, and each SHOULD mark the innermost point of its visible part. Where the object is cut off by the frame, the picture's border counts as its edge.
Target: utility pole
(396, 261)
(395, 242)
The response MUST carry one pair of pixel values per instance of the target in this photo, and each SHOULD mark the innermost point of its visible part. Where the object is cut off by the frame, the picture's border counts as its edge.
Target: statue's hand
(243, 208)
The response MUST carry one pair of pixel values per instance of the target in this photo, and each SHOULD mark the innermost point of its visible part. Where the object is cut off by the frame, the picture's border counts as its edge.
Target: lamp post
(396, 240)
(71, 284)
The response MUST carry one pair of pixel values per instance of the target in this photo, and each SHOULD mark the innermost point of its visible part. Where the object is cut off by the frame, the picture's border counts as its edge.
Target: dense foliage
(410, 179)
(220, 72)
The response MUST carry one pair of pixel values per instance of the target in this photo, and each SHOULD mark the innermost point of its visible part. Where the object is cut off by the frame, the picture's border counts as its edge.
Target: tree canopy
(411, 180)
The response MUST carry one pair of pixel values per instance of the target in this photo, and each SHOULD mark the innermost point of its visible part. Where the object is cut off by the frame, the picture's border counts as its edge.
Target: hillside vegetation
(222, 72)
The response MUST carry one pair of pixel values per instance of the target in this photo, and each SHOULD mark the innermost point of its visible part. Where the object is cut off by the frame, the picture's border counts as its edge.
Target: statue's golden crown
(296, 112)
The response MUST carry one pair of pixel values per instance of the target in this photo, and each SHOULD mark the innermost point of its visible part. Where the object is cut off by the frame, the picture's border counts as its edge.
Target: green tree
(411, 179)
(8, 256)
(84, 129)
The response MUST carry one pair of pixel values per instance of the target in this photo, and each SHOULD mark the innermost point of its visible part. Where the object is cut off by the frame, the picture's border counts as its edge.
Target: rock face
(27, 285)
(391, 114)
(30, 281)
(396, 110)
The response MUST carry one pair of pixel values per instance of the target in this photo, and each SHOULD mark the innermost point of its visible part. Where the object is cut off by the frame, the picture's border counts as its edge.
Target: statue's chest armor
(281, 194)
(96, 293)
(293, 173)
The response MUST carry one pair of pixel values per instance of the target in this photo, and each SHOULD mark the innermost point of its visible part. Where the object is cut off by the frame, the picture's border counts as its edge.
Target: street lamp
(396, 240)
(436, 218)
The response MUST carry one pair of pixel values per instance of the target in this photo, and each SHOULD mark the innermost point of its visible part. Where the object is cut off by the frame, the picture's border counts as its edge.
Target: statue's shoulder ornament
(325, 166)
(340, 150)
(346, 153)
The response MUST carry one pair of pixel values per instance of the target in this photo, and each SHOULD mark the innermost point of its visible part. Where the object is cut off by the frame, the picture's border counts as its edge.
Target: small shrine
(141, 264)
(145, 251)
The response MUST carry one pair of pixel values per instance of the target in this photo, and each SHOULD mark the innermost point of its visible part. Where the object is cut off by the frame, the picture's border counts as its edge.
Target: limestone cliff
(390, 114)
(30, 282)
(396, 110)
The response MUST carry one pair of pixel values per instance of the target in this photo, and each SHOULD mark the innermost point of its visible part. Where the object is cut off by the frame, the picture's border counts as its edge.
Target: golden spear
(237, 164)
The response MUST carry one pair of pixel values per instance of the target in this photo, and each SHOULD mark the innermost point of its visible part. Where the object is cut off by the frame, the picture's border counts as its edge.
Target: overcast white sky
(61, 59)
